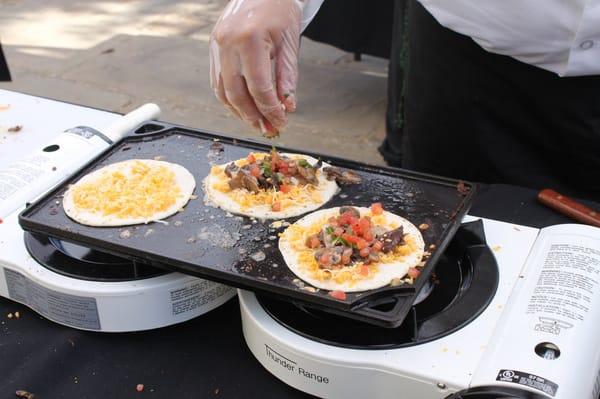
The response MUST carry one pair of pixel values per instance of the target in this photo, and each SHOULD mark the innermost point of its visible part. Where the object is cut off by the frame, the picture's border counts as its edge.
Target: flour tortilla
(327, 189)
(385, 273)
(184, 179)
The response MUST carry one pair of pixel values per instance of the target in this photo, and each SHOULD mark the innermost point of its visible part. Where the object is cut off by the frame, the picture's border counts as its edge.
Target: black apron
(4, 73)
(357, 26)
(480, 116)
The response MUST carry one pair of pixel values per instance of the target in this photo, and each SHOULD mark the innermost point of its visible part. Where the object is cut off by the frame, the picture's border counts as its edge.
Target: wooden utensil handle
(569, 207)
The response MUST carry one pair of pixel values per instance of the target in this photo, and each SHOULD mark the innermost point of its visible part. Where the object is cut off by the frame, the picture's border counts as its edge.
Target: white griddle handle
(128, 122)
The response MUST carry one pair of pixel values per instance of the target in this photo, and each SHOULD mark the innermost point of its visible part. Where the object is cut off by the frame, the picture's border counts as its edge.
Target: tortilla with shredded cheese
(129, 192)
(395, 264)
(299, 200)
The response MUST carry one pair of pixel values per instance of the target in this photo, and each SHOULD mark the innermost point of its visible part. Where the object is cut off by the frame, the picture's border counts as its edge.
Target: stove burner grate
(463, 284)
(83, 263)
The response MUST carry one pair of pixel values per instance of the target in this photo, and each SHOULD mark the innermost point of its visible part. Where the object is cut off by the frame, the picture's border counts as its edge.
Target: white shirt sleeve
(310, 10)
(562, 36)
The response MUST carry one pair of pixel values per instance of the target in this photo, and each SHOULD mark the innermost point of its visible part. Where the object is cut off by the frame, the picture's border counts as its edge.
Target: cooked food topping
(242, 178)
(276, 180)
(342, 176)
(274, 171)
(391, 239)
(348, 239)
(462, 188)
(337, 294)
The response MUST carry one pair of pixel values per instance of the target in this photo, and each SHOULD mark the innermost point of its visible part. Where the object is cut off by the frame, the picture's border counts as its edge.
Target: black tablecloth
(202, 358)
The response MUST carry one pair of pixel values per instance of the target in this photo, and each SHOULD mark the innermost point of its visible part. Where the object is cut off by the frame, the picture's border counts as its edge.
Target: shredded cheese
(138, 191)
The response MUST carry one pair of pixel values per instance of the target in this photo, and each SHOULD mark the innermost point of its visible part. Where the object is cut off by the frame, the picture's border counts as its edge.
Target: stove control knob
(547, 350)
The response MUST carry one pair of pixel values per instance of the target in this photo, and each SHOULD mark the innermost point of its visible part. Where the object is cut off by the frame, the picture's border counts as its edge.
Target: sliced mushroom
(326, 238)
(231, 169)
(309, 174)
(342, 176)
(243, 179)
(373, 257)
(334, 255)
(354, 211)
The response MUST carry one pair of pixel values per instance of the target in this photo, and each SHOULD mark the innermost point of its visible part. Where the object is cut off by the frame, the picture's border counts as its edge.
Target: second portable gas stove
(495, 323)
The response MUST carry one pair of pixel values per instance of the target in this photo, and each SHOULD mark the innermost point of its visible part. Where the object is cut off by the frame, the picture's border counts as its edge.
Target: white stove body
(472, 356)
(101, 306)
(89, 305)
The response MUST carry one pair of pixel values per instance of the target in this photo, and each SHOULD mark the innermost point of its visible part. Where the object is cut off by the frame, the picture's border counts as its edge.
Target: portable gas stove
(468, 335)
(71, 284)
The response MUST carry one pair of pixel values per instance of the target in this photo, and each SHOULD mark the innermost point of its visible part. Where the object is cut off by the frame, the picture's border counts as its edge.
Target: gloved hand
(249, 35)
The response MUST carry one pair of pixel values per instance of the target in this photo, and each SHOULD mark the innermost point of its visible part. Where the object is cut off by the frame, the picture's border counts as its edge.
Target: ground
(118, 54)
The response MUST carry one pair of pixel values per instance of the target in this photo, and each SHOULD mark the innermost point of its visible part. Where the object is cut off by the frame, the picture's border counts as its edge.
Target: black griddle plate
(207, 242)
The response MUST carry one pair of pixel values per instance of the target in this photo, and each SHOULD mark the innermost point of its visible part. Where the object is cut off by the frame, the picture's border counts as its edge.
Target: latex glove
(249, 36)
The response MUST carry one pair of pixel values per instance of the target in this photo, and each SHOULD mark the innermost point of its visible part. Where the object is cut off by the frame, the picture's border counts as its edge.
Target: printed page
(546, 340)
(569, 257)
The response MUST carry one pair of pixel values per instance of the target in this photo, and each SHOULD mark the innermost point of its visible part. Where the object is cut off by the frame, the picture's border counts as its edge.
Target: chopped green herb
(340, 240)
(265, 169)
(304, 163)
(329, 230)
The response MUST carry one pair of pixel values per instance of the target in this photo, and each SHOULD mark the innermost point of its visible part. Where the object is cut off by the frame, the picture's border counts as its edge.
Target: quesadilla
(129, 192)
(352, 249)
(268, 186)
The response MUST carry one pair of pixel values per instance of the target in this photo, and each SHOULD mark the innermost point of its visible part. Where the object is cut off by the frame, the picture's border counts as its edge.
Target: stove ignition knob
(547, 350)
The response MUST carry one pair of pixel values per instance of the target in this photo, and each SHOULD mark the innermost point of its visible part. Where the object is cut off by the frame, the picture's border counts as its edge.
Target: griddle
(208, 242)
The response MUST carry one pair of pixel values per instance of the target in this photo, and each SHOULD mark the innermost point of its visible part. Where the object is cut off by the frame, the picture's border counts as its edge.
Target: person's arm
(247, 38)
